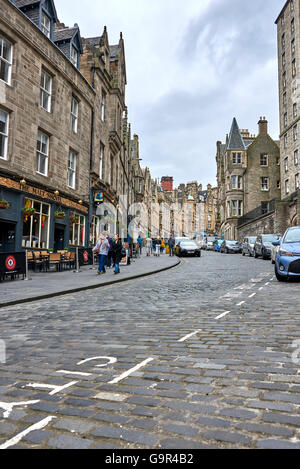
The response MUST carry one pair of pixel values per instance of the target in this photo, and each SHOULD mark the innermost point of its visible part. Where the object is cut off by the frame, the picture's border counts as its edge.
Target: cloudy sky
(192, 66)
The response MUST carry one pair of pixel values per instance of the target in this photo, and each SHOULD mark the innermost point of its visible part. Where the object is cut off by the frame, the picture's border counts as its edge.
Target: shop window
(36, 226)
(77, 229)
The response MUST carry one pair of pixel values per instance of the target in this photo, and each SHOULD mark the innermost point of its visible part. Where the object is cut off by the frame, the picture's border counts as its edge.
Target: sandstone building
(248, 173)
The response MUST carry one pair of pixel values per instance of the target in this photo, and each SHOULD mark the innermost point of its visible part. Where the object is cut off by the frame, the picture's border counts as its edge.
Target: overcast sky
(191, 67)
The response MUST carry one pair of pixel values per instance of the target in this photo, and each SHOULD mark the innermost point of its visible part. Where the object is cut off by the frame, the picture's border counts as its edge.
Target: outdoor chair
(30, 260)
(72, 260)
(38, 261)
(55, 259)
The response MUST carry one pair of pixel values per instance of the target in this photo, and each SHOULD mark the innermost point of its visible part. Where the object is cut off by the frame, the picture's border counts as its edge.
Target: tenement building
(288, 30)
(65, 140)
(248, 176)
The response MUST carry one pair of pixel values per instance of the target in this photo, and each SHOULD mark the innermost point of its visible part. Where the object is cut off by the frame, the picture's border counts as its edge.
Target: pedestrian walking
(149, 246)
(102, 248)
(158, 244)
(171, 244)
(117, 253)
(154, 246)
(110, 252)
(140, 241)
(162, 246)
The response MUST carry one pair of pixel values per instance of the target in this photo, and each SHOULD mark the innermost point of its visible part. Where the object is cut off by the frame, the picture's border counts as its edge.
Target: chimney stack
(262, 126)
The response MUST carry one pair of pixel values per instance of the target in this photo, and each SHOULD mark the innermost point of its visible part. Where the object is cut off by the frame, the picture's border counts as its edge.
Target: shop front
(36, 219)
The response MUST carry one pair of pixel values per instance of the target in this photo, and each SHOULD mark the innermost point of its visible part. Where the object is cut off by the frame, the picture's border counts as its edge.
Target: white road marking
(129, 372)
(37, 426)
(111, 360)
(251, 296)
(77, 373)
(55, 389)
(189, 335)
(223, 314)
(8, 406)
(266, 284)
(241, 303)
(261, 288)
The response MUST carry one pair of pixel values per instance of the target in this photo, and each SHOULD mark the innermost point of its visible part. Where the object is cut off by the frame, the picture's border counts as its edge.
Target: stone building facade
(288, 33)
(248, 173)
(65, 139)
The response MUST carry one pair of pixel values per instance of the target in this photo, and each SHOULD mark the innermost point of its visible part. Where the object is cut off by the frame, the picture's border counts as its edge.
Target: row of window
(264, 159)
(36, 229)
(237, 183)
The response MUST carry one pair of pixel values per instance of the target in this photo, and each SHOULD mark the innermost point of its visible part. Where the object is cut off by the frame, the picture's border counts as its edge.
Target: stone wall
(262, 225)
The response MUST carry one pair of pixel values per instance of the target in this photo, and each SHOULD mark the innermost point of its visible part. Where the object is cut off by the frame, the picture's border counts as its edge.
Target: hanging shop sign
(99, 198)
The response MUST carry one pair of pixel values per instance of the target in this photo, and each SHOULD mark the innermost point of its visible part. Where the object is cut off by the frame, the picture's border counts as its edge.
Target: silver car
(248, 246)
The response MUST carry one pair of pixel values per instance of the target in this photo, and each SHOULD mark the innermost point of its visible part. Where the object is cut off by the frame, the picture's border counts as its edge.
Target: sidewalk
(47, 285)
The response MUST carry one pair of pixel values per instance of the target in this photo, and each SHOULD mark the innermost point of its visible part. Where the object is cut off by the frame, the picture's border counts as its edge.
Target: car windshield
(292, 236)
(188, 244)
(211, 240)
(270, 238)
(252, 240)
(232, 243)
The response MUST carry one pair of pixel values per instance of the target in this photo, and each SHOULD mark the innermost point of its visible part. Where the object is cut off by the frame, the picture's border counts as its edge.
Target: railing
(264, 209)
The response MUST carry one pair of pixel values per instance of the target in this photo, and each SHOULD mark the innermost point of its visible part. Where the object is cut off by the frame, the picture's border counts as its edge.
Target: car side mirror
(276, 243)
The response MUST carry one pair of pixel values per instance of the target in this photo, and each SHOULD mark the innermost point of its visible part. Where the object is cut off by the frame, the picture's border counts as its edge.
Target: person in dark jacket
(117, 248)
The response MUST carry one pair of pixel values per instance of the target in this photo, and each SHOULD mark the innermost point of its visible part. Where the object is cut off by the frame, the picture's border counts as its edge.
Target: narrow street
(201, 356)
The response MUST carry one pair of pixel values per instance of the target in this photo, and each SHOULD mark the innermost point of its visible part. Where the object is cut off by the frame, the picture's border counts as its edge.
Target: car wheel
(244, 253)
(279, 277)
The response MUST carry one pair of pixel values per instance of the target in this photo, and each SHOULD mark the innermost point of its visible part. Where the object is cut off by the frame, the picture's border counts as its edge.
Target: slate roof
(94, 41)
(25, 3)
(114, 51)
(236, 141)
(64, 34)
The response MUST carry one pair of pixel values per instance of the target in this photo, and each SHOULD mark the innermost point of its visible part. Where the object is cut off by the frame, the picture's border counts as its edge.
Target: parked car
(274, 252)
(210, 243)
(187, 248)
(287, 263)
(231, 247)
(248, 246)
(263, 245)
(217, 245)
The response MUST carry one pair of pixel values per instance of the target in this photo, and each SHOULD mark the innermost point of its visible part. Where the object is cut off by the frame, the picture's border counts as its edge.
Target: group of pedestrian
(111, 251)
(157, 246)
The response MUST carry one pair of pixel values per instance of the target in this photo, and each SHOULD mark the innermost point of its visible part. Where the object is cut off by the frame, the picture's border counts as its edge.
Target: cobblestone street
(200, 356)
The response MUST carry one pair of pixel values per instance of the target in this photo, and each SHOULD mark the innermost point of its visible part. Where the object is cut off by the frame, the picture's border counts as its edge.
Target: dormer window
(46, 25)
(74, 56)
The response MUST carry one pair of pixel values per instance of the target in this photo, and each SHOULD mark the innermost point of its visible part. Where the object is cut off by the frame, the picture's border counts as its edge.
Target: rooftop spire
(236, 141)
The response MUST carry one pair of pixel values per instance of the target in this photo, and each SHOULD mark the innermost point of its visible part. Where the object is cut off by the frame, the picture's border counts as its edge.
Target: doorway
(59, 238)
(7, 237)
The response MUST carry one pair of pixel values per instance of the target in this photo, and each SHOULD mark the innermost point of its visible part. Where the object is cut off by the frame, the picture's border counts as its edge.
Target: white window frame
(101, 160)
(7, 62)
(236, 208)
(44, 91)
(296, 157)
(5, 134)
(237, 158)
(41, 214)
(40, 154)
(297, 181)
(265, 184)
(72, 165)
(74, 59)
(46, 30)
(103, 106)
(264, 160)
(286, 187)
(295, 132)
(286, 164)
(74, 114)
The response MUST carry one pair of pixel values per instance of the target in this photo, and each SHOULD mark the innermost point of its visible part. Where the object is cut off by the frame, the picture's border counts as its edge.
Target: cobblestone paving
(202, 356)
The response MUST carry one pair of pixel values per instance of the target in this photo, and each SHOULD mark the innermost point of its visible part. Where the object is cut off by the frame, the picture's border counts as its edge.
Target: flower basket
(28, 211)
(4, 204)
(74, 220)
(60, 215)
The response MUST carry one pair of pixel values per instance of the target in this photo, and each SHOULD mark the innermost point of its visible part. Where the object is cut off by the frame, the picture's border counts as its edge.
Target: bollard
(26, 266)
(77, 263)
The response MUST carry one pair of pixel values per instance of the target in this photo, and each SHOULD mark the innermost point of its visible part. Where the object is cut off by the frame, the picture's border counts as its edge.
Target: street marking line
(189, 335)
(8, 406)
(55, 389)
(37, 426)
(75, 373)
(251, 296)
(129, 372)
(266, 284)
(223, 314)
(241, 303)
(111, 360)
(261, 288)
